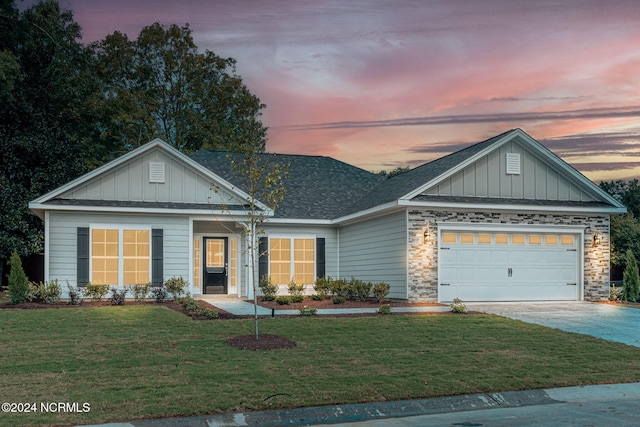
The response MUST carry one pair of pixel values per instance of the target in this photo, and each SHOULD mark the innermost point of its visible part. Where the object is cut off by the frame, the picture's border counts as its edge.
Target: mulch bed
(264, 342)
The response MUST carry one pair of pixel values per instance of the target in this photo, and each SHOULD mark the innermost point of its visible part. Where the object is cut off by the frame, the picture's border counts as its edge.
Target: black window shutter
(263, 260)
(320, 260)
(83, 257)
(157, 251)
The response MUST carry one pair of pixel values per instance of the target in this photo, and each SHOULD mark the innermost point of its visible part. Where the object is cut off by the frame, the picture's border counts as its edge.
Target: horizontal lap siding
(376, 250)
(63, 250)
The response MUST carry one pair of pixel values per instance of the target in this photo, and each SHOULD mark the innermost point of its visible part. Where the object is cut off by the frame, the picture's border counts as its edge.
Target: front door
(215, 270)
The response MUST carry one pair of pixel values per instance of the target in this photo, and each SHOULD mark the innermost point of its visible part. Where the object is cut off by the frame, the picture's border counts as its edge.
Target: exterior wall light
(596, 238)
(427, 234)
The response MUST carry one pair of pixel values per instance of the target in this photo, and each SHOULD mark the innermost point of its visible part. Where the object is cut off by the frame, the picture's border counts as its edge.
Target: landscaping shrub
(338, 300)
(295, 291)
(631, 279)
(317, 297)
(380, 291)
(339, 288)
(206, 312)
(384, 309)
(159, 293)
(457, 306)
(139, 291)
(283, 300)
(322, 286)
(75, 295)
(359, 289)
(268, 289)
(308, 311)
(176, 286)
(49, 292)
(18, 282)
(188, 303)
(95, 291)
(118, 296)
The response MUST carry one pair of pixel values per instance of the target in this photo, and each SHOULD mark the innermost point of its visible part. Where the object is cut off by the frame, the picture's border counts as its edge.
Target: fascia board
(300, 221)
(460, 166)
(137, 210)
(511, 207)
(367, 212)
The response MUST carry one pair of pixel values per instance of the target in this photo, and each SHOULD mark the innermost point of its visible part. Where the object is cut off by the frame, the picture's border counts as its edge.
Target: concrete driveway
(609, 322)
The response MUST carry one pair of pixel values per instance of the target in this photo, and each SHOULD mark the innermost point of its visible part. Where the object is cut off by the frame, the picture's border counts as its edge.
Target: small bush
(317, 297)
(339, 288)
(95, 291)
(339, 300)
(118, 296)
(268, 289)
(50, 292)
(457, 306)
(384, 309)
(188, 303)
(75, 295)
(283, 300)
(381, 291)
(359, 289)
(297, 298)
(139, 291)
(159, 293)
(18, 282)
(308, 311)
(615, 294)
(295, 290)
(323, 286)
(176, 286)
(206, 312)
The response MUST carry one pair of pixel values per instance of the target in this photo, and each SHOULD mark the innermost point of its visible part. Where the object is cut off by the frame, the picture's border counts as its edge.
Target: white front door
(508, 266)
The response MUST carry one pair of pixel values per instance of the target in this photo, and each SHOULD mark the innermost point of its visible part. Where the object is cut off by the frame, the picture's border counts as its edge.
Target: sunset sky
(381, 84)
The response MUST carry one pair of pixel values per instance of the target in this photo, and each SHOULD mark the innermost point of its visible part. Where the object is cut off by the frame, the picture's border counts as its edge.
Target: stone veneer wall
(423, 257)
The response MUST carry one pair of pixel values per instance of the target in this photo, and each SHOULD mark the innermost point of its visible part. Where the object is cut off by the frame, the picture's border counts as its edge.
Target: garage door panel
(520, 268)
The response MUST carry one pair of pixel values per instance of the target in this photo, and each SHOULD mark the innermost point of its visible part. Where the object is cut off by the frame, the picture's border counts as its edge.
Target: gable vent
(156, 172)
(513, 163)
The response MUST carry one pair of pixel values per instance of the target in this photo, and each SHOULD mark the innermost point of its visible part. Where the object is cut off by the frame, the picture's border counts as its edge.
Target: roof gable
(133, 181)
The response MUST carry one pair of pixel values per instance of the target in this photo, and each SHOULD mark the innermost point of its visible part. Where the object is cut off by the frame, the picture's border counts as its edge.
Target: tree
(262, 180)
(394, 172)
(46, 115)
(625, 228)
(631, 278)
(18, 282)
(161, 86)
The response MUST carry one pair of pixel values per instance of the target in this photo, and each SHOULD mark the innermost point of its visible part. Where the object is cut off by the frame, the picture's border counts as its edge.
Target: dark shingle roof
(400, 185)
(317, 187)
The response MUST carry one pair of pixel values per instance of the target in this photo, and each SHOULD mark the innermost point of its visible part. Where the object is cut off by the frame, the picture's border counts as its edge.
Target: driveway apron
(609, 322)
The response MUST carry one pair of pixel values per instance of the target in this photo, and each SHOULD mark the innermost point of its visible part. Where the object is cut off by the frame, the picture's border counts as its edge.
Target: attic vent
(156, 172)
(513, 164)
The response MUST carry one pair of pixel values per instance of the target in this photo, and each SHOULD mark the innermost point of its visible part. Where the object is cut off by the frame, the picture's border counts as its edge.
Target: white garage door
(510, 266)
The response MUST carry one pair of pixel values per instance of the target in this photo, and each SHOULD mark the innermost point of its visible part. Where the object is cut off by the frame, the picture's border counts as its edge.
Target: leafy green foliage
(96, 291)
(380, 291)
(359, 289)
(75, 295)
(283, 300)
(176, 286)
(161, 85)
(338, 300)
(308, 311)
(457, 306)
(322, 286)
(18, 282)
(49, 292)
(268, 289)
(139, 291)
(295, 291)
(384, 309)
(631, 289)
(187, 303)
(394, 172)
(159, 293)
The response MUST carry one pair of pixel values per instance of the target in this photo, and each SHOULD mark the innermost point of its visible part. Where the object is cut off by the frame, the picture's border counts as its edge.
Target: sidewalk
(355, 413)
(240, 307)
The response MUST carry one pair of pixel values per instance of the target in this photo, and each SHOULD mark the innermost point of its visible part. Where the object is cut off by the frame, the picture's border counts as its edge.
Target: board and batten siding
(130, 182)
(375, 250)
(487, 177)
(62, 241)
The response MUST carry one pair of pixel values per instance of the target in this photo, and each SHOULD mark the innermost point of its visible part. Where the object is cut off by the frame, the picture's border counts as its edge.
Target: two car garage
(509, 264)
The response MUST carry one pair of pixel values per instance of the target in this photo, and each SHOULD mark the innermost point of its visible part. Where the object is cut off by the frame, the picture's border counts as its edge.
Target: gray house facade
(501, 220)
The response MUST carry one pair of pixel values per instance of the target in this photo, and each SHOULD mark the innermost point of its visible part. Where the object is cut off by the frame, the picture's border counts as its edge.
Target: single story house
(502, 220)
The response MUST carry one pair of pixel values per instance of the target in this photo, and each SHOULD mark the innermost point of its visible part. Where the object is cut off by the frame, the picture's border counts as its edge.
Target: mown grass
(149, 362)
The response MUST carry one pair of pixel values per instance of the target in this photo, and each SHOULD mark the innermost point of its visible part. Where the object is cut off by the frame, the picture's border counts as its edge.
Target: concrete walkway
(606, 321)
(240, 307)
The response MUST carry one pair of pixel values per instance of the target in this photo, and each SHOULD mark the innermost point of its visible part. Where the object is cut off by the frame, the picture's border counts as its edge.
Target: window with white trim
(120, 256)
(285, 263)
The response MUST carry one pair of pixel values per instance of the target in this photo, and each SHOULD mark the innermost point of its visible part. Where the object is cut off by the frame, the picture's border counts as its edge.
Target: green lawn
(148, 361)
